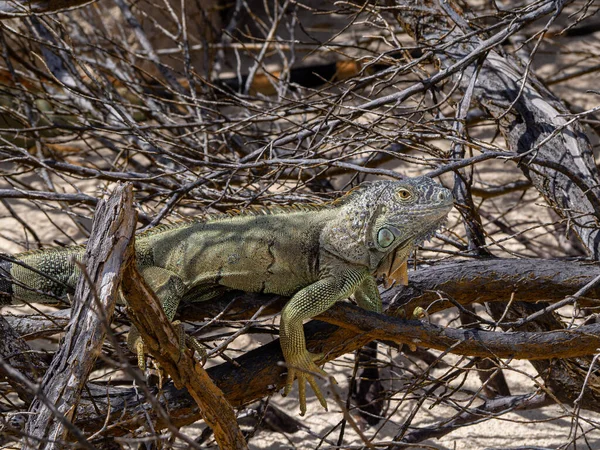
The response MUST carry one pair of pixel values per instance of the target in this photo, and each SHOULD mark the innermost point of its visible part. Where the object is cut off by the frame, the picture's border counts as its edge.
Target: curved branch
(495, 280)
(530, 117)
(258, 372)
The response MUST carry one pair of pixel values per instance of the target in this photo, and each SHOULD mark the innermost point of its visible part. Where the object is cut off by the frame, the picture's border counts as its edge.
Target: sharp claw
(323, 403)
(317, 391)
(289, 382)
(302, 394)
(139, 348)
(302, 369)
(159, 372)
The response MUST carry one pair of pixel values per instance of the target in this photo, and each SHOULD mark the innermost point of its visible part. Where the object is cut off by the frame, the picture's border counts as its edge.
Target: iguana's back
(274, 253)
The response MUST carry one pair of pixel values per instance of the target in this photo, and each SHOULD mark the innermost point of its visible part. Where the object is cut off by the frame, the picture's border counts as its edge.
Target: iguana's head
(382, 221)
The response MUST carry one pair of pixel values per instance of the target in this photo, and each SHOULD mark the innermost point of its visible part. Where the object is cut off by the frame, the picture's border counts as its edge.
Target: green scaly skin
(315, 254)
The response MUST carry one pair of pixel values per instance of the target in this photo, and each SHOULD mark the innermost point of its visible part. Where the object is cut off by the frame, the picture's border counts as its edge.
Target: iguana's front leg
(307, 303)
(367, 295)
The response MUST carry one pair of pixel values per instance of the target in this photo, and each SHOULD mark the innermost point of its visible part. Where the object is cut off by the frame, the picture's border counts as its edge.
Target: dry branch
(580, 341)
(497, 406)
(33, 326)
(21, 8)
(15, 352)
(496, 280)
(534, 123)
(162, 341)
(94, 303)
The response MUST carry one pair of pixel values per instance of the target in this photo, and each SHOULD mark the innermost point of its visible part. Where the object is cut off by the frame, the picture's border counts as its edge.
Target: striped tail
(6, 291)
(40, 276)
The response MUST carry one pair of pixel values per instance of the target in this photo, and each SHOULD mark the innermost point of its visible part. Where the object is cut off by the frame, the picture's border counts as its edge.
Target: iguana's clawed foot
(136, 345)
(303, 367)
(190, 341)
(140, 351)
(419, 313)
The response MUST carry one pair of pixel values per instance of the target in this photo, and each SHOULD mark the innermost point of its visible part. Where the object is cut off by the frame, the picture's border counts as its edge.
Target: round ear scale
(385, 237)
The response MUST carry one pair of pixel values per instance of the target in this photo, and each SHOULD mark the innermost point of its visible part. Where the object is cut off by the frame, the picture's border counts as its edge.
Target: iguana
(316, 254)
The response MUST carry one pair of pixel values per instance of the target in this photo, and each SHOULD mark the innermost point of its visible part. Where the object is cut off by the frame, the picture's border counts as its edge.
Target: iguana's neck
(347, 235)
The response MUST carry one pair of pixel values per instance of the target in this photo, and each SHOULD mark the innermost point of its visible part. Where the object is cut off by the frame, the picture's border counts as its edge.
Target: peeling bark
(555, 153)
(95, 298)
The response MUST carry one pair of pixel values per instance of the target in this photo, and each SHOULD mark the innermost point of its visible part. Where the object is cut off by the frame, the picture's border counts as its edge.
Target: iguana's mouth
(393, 269)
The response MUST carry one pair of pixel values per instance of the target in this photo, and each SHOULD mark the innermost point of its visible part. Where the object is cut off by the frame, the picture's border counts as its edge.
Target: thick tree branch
(496, 280)
(531, 118)
(15, 352)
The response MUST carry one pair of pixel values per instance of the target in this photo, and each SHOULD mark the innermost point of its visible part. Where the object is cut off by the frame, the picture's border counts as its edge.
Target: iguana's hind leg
(169, 288)
(307, 303)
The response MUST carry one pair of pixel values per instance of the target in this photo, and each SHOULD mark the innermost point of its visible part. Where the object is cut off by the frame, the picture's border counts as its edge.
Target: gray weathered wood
(556, 154)
(15, 352)
(94, 304)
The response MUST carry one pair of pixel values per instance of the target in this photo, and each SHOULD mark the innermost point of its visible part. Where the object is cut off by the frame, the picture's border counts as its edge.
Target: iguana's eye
(404, 194)
(385, 238)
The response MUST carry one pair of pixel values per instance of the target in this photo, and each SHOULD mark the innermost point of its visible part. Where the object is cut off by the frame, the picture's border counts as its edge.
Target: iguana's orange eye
(404, 194)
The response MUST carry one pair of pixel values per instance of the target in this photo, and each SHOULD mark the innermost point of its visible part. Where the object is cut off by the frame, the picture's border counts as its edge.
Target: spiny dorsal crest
(259, 210)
